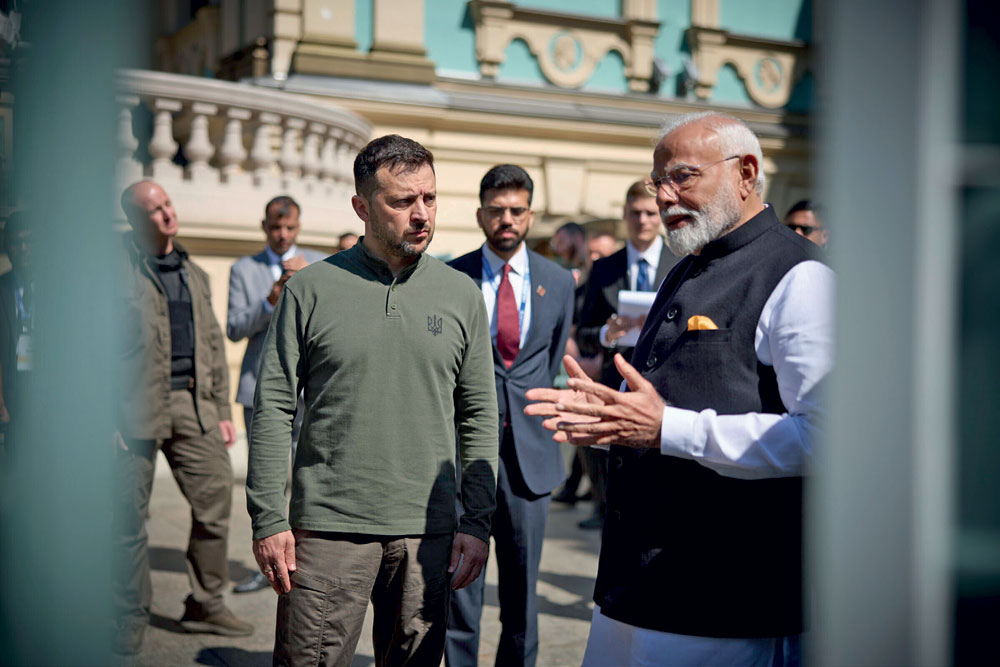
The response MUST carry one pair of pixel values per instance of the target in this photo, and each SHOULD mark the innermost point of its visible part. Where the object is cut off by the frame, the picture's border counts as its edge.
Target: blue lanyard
(22, 312)
(525, 291)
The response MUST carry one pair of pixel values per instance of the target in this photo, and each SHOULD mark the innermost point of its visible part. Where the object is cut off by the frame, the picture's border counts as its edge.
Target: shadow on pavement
(164, 623)
(229, 656)
(169, 559)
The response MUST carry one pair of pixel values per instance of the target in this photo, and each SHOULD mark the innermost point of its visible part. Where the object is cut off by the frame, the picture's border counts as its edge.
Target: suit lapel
(263, 277)
(539, 313)
(621, 282)
(667, 262)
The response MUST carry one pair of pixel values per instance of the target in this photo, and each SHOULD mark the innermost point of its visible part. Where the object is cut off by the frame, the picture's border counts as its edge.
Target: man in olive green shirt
(392, 350)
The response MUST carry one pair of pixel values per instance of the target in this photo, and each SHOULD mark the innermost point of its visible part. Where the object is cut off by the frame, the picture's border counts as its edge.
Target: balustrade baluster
(262, 154)
(291, 158)
(162, 146)
(232, 153)
(199, 149)
(310, 154)
(328, 161)
(345, 168)
(129, 169)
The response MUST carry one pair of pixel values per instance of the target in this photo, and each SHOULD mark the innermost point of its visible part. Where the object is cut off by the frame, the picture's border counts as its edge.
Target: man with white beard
(701, 559)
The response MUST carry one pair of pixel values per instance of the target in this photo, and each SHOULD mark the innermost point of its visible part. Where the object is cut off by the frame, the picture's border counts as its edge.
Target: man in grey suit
(255, 283)
(529, 300)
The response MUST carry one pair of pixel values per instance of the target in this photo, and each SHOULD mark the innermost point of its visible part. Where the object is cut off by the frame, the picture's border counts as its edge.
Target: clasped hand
(588, 413)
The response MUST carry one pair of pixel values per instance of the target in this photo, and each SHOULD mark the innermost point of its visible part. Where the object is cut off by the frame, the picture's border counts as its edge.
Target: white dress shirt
(632, 255)
(652, 257)
(274, 263)
(493, 274)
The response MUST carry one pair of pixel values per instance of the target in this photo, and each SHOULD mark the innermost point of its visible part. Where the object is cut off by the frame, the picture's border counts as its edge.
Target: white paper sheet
(633, 304)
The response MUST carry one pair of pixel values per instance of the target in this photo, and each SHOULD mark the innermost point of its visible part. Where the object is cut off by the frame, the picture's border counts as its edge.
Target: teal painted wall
(670, 46)
(364, 22)
(609, 76)
(729, 88)
(450, 36)
(519, 65)
(451, 42)
(778, 19)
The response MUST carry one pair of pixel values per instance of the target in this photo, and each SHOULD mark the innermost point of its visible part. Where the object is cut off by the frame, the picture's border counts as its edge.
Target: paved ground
(569, 563)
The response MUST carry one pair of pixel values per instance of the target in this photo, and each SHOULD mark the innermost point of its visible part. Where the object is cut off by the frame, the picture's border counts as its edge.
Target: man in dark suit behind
(641, 265)
(530, 304)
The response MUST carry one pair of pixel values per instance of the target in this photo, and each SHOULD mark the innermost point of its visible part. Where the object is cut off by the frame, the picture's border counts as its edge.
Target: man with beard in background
(701, 560)
(529, 300)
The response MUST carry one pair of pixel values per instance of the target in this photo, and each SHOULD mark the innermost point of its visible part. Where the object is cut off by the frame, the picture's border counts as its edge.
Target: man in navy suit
(641, 265)
(255, 283)
(530, 304)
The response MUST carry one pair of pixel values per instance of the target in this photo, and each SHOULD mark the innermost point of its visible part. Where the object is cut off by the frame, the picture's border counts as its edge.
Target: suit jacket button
(616, 515)
(672, 313)
(651, 361)
(619, 462)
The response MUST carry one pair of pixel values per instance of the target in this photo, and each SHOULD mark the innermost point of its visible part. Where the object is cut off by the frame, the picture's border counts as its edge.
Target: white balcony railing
(222, 150)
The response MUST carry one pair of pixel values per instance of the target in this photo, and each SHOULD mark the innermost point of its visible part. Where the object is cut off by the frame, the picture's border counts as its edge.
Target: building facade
(252, 98)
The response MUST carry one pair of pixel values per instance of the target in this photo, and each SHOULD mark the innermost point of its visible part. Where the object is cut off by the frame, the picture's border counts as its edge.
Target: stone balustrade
(222, 150)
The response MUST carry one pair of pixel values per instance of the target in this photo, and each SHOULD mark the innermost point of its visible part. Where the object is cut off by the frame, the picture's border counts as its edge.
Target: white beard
(715, 218)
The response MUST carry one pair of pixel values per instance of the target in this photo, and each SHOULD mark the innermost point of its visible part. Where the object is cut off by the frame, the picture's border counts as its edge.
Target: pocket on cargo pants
(319, 621)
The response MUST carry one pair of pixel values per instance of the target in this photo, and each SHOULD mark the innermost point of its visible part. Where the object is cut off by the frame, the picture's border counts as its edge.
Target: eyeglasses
(805, 230)
(682, 176)
(516, 212)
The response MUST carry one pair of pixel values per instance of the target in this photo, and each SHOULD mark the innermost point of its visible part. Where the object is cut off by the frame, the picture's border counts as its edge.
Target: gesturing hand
(589, 413)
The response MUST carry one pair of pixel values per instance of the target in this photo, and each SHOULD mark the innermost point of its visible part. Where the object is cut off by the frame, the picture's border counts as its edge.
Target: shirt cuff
(268, 308)
(677, 432)
(603, 338)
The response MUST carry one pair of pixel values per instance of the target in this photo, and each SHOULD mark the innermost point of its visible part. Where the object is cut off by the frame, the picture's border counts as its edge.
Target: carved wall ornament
(769, 68)
(568, 47)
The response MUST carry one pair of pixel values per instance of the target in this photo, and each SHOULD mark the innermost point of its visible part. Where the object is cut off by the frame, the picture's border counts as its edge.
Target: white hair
(735, 138)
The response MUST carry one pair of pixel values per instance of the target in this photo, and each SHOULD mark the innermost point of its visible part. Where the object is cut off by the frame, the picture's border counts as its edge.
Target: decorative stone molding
(568, 47)
(768, 67)
(397, 52)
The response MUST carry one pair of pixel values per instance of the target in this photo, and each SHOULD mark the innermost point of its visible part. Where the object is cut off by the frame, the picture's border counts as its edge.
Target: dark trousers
(518, 530)
(201, 466)
(596, 463)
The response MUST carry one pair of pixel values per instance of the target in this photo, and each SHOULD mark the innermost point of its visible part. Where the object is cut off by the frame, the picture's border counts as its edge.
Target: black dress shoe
(255, 582)
(566, 497)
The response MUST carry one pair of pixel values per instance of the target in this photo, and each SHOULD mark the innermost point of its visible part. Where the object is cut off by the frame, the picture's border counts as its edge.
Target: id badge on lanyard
(25, 351)
(25, 346)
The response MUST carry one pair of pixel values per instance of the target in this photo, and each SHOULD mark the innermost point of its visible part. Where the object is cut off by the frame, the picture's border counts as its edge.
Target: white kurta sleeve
(795, 336)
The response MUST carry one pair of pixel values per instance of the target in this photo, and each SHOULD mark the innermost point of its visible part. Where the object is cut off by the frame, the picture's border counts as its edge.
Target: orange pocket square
(700, 323)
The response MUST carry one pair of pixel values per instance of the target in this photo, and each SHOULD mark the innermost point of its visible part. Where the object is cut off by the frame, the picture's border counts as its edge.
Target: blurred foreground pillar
(55, 506)
(882, 514)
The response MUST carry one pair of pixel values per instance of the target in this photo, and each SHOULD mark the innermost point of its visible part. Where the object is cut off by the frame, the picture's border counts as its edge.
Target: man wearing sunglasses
(802, 218)
(701, 560)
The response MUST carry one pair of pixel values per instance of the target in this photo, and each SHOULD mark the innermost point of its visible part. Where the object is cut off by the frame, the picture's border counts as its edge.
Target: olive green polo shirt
(391, 370)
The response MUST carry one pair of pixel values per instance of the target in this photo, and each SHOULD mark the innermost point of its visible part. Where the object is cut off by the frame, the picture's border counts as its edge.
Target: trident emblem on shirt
(435, 324)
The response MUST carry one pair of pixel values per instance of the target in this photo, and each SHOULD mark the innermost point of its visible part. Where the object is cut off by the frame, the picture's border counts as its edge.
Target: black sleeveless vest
(687, 550)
